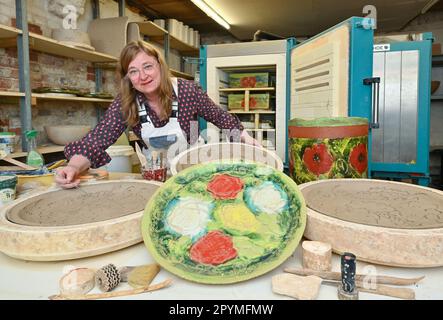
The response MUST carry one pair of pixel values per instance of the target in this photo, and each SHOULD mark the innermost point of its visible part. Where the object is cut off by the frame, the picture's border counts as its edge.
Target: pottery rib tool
(141, 156)
(77, 281)
(402, 293)
(114, 294)
(330, 275)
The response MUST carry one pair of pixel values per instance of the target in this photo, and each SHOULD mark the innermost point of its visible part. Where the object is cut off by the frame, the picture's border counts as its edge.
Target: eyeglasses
(147, 68)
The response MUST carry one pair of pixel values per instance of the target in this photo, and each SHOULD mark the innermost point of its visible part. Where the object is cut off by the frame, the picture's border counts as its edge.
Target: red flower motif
(214, 248)
(359, 158)
(248, 82)
(317, 159)
(252, 103)
(224, 186)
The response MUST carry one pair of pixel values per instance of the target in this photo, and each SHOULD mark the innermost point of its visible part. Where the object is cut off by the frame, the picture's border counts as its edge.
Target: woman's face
(144, 73)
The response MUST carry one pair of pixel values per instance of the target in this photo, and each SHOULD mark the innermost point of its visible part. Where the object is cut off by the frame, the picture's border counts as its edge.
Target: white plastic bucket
(121, 158)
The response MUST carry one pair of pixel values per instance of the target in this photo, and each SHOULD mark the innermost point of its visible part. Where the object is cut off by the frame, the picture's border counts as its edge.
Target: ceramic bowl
(62, 135)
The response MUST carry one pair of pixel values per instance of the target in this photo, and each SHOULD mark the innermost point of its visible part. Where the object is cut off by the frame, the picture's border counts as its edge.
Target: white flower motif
(189, 216)
(266, 198)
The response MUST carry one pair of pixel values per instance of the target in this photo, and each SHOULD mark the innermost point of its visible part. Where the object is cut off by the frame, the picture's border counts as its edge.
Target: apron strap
(175, 86)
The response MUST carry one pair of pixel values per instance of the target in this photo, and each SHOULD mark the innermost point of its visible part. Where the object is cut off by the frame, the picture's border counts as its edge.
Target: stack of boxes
(180, 31)
(249, 80)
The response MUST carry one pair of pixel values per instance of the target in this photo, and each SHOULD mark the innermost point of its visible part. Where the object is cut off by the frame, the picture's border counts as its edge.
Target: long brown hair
(128, 92)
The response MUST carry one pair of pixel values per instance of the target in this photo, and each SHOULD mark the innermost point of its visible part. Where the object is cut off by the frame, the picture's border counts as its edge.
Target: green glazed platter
(224, 222)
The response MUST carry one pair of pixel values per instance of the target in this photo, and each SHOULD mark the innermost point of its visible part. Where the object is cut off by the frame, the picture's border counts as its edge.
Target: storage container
(256, 101)
(249, 80)
(121, 158)
(7, 188)
(7, 142)
(328, 148)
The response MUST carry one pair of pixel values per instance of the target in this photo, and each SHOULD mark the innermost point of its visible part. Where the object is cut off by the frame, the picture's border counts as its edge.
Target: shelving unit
(259, 123)
(43, 96)
(179, 45)
(11, 94)
(7, 32)
(160, 36)
(42, 149)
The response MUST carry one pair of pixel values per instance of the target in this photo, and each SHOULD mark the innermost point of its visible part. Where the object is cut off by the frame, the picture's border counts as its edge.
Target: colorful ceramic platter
(224, 222)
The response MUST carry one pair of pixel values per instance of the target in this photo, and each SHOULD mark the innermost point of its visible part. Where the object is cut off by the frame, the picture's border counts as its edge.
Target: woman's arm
(90, 150)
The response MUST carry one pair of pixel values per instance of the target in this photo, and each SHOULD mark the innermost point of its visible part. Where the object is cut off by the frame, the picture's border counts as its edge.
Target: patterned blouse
(192, 102)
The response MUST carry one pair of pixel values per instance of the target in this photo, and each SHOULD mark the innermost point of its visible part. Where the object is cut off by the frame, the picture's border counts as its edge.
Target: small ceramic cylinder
(317, 255)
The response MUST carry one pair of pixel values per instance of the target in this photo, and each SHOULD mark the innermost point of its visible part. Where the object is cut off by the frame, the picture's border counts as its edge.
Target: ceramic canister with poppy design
(328, 148)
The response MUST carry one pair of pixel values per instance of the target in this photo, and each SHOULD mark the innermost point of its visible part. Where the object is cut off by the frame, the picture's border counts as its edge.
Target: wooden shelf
(245, 89)
(150, 29)
(9, 32)
(174, 43)
(51, 46)
(252, 112)
(181, 74)
(260, 130)
(437, 61)
(44, 96)
(42, 150)
(437, 97)
(11, 94)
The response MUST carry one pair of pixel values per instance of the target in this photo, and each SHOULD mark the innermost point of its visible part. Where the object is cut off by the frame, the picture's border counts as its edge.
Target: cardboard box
(249, 80)
(256, 101)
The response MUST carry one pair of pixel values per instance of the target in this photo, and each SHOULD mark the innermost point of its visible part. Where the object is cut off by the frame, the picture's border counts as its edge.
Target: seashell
(77, 281)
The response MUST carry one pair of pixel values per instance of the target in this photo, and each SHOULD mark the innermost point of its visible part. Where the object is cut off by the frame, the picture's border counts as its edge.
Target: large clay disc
(224, 222)
(383, 222)
(68, 224)
(233, 152)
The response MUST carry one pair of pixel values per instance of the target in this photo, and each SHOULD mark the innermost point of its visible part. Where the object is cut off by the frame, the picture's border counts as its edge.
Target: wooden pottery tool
(106, 295)
(18, 163)
(330, 275)
(141, 156)
(383, 290)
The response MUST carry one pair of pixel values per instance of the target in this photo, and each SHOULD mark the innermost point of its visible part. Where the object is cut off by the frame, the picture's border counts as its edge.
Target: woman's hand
(246, 138)
(68, 177)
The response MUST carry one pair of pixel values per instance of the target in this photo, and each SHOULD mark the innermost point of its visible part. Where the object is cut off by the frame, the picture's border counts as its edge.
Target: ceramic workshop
(155, 150)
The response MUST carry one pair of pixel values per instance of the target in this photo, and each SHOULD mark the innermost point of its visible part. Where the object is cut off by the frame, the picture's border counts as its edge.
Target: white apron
(168, 140)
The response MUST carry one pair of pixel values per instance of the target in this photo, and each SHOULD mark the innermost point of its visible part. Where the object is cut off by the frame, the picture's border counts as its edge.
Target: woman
(160, 110)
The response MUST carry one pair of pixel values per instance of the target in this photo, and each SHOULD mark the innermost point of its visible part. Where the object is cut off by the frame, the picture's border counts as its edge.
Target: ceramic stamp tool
(347, 289)
(108, 277)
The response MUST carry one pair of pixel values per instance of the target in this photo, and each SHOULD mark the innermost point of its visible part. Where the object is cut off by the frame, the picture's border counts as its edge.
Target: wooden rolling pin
(330, 275)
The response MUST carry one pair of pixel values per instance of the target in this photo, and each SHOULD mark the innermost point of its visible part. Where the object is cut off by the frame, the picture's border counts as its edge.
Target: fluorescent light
(211, 13)
(428, 6)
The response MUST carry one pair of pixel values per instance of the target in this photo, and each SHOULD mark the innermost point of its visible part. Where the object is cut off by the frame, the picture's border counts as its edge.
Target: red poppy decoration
(224, 186)
(359, 158)
(317, 159)
(214, 248)
(252, 103)
(248, 82)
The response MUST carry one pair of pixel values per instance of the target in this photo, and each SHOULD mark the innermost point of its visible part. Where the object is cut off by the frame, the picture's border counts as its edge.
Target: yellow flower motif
(238, 219)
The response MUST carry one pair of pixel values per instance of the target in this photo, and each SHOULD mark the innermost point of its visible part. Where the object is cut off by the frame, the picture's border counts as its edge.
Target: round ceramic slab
(233, 152)
(224, 222)
(67, 224)
(383, 222)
